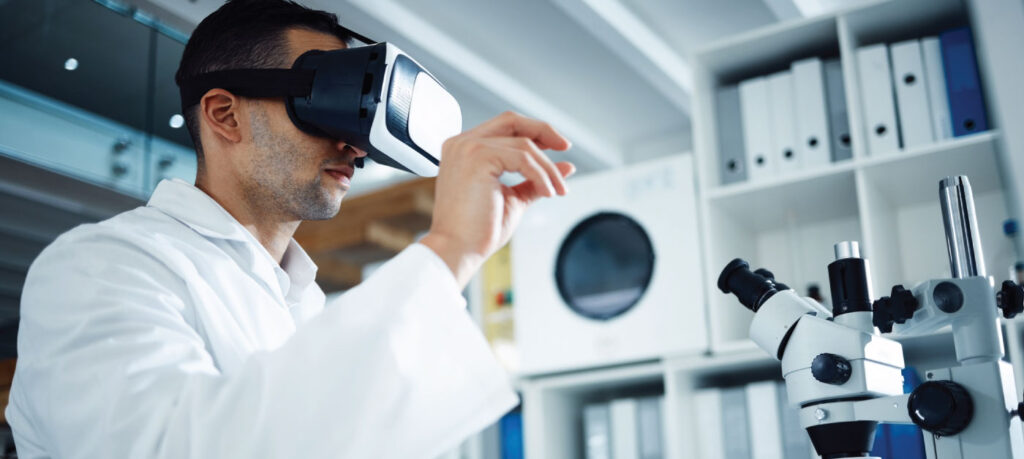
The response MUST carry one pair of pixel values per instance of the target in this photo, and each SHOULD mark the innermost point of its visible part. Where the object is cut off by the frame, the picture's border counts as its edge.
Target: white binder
(736, 440)
(707, 415)
(811, 113)
(909, 78)
(783, 123)
(597, 432)
(649, 428)
(763, 419)
(879, 104)
(838, 117)
(757, 139)
(625, 444)
(935, 79)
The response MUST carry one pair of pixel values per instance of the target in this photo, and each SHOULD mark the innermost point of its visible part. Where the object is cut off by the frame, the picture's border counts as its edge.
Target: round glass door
(604, 266)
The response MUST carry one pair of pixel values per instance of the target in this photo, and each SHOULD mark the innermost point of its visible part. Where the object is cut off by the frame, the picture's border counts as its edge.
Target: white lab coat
(169, 332)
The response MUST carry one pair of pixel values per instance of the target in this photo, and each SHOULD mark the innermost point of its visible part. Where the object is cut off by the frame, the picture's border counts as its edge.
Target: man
(192, 327)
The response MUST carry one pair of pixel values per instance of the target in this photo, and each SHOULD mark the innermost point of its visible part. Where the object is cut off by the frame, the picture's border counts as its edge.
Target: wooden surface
(369, 228)
(6, 378)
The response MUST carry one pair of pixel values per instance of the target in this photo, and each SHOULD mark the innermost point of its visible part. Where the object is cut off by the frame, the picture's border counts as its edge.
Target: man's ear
(219, 110)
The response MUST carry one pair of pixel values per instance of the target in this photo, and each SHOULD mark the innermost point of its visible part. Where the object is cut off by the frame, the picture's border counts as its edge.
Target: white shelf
(913, 176)
(788, 224)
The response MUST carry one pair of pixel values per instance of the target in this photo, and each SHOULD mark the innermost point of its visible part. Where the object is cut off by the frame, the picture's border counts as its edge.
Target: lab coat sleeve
(395, 368)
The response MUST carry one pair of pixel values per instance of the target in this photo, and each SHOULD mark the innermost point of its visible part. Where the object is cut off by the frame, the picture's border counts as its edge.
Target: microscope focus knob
(943, 408)
(899, 306)
(1010, 298)
(831, 369)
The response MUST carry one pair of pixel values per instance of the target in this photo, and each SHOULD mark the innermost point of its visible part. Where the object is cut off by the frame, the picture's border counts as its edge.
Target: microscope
(845, 376)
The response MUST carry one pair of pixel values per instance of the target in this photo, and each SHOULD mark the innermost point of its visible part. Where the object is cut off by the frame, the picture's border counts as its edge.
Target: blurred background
(90, 122)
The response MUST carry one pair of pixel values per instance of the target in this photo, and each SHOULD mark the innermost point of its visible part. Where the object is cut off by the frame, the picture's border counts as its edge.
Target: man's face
(286, 171)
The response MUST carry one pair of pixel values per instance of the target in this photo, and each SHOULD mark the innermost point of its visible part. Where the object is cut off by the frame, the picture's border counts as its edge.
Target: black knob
(1010, 298)
(831, 369)
(943, 408)
(899, 306)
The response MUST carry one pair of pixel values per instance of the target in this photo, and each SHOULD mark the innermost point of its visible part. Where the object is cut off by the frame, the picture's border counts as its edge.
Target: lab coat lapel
(194, 208)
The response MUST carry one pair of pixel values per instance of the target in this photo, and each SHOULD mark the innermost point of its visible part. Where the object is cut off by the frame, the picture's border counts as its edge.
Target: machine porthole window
(604, 266)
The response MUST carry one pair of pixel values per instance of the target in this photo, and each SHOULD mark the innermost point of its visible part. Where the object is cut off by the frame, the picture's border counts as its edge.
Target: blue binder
(511, 426)
(963, 87)
(900, 441)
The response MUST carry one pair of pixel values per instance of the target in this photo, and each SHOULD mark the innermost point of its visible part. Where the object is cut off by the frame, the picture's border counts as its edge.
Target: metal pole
(958, 217)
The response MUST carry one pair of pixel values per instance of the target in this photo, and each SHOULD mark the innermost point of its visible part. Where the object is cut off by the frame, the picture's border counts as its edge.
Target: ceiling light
(71, 64)
(177, 121)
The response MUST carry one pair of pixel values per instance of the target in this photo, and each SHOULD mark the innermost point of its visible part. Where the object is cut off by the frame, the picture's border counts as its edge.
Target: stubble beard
(271, 187)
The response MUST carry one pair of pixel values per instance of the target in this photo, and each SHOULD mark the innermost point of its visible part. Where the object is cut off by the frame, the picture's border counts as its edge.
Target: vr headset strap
(249, 83)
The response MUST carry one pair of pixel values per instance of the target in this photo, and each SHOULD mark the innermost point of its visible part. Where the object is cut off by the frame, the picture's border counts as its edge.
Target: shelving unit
(887, 202)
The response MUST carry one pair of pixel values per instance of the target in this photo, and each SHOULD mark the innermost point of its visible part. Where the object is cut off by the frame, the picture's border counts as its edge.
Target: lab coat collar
(198, 210)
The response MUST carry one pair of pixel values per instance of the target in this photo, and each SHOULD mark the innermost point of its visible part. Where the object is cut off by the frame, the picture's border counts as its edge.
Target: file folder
(597, 431)
(757, 138)
(625, 444)
(795, 442)
(732, 165)
(811, 112)
(963, 87)
(783, 123)
(935, 77)
(877, 95)
(763, 418)
(838, 116)
(908, 77)
(649, 427)
(736, 444)
(707, 415)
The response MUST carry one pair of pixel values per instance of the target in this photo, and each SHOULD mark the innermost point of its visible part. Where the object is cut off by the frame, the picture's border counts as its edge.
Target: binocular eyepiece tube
(753, 289)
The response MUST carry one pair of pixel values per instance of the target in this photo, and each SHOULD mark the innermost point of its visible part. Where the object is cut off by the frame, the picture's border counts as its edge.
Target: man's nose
(341, 145)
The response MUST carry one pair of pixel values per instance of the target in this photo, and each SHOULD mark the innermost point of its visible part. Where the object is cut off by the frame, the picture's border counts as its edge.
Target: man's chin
(325, 208)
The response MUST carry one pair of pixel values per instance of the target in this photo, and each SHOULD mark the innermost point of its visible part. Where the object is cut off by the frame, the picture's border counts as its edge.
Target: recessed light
(177, 121)
(71, 64)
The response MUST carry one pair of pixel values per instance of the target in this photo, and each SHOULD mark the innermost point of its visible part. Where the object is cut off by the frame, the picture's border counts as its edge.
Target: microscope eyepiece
(751, 288)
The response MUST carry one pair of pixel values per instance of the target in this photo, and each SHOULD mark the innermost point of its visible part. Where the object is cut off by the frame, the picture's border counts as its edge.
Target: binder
(757, 139)
(908, 77)
(511, 427)
(763, 418)
(795, 442)
(811, 112)
(597, 433)
(735, 445)
(877, 95)
(783, 124)
(963, 87)
(732, 165)
(935, 79)
(707, 412)
(838, 116)
(625, 444)
(649, 427)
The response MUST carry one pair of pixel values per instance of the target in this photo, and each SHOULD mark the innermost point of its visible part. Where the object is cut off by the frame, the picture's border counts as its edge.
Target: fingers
(511, 124)
(566, 168)
(512, 157)
(553, 173)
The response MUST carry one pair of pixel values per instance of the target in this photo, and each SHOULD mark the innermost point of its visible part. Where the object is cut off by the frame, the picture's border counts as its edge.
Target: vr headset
(375, 98)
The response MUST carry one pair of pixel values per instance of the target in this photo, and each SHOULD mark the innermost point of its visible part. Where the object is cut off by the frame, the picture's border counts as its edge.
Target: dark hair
(246, 34)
